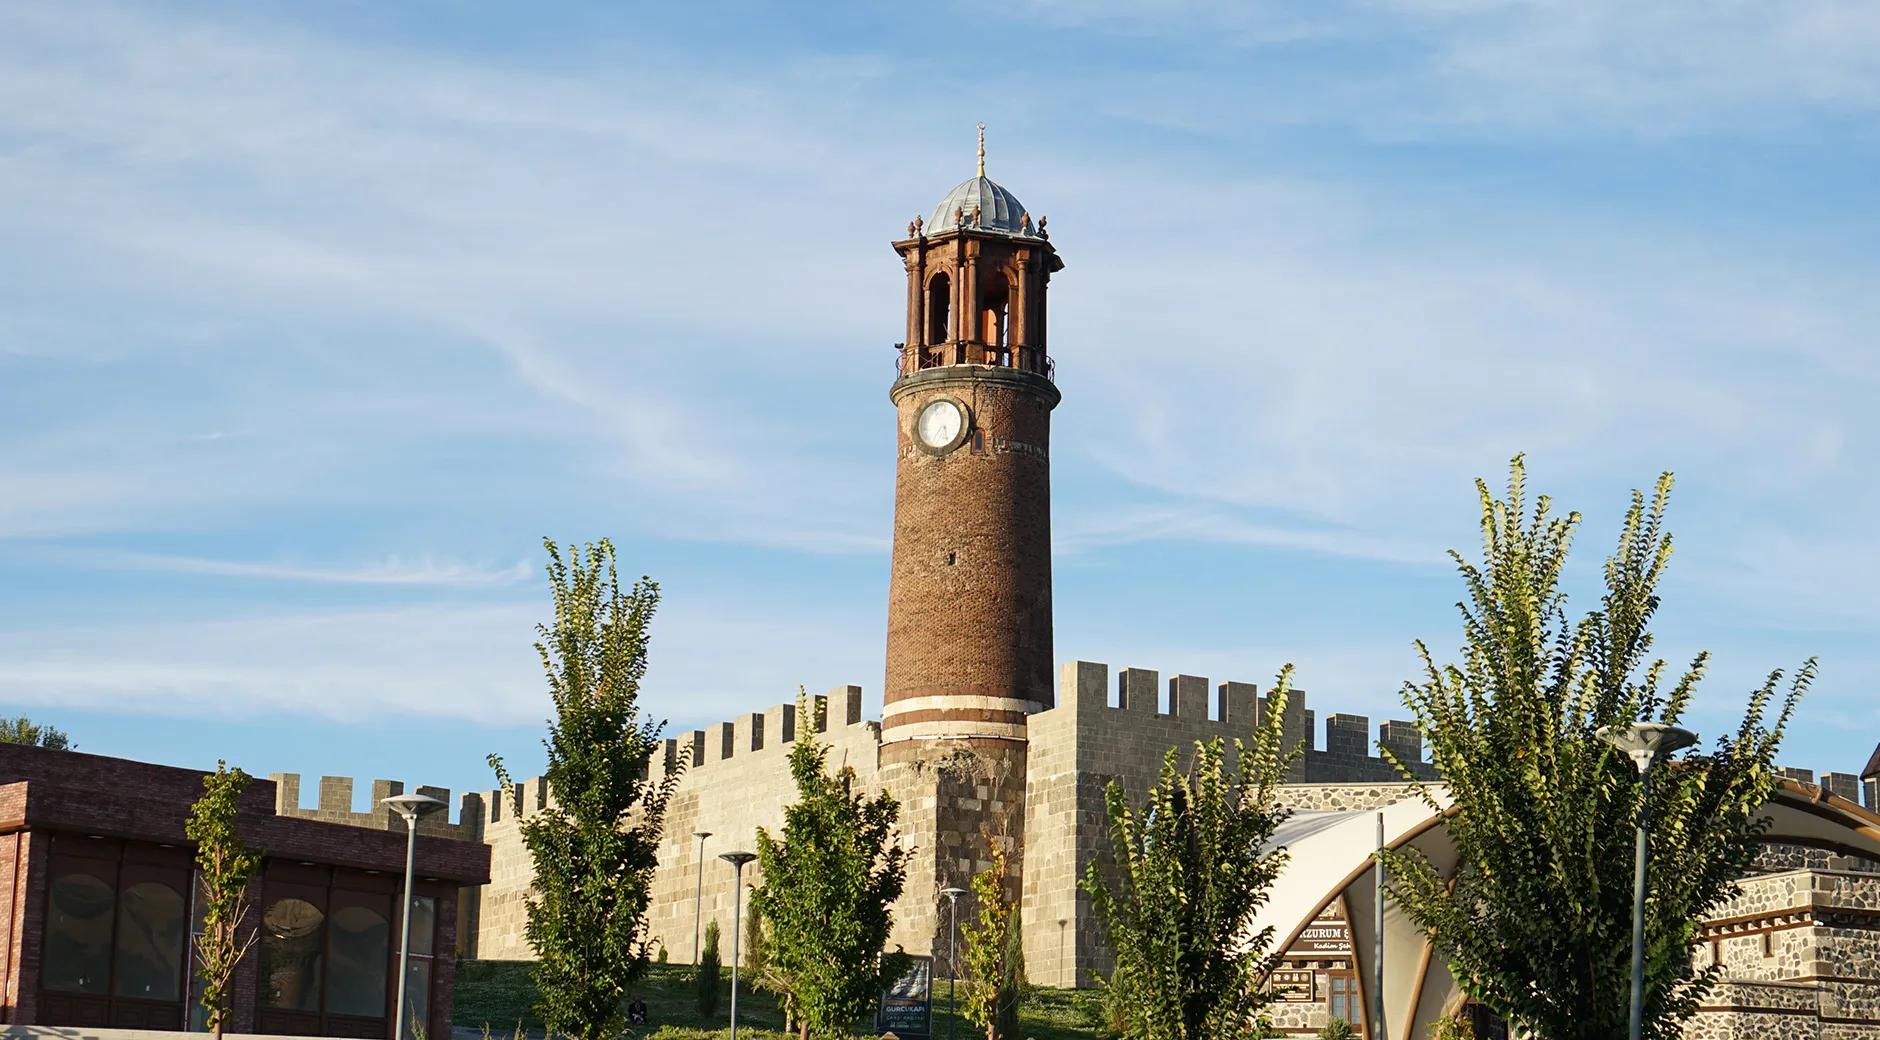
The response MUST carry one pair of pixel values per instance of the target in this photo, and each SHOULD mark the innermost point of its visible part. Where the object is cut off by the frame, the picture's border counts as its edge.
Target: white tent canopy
(1331, 856)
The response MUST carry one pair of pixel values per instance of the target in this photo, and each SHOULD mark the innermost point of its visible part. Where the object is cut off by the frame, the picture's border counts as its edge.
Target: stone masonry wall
(1088, 740)
(1800, 951)
(335, 805)
(736, 778)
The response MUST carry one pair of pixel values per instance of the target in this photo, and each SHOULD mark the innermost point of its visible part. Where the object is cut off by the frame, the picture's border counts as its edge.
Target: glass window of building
(1342, 995)
(418, 971)
(78, 933)
(150, 936)
(359, 950)
(291, 935)
(198, 910)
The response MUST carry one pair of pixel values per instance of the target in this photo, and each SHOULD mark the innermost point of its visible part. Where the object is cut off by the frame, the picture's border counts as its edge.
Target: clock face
(940, 424)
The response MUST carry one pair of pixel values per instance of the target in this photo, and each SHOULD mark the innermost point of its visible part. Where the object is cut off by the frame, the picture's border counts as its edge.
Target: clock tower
(969, 596)
(969, 599)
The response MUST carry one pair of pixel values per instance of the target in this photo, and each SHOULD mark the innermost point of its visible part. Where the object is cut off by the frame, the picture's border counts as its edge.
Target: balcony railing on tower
(918, 358)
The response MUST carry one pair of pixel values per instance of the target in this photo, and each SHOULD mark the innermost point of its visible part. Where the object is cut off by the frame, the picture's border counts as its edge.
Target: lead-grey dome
(999, 210)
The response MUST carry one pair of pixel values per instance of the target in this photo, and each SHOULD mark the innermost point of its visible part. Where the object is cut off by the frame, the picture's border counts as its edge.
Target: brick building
(96, 891)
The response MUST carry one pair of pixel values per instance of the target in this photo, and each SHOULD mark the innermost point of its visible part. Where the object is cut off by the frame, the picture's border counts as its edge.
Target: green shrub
(1454, 1027)
(710, 977)
(1337, 1029)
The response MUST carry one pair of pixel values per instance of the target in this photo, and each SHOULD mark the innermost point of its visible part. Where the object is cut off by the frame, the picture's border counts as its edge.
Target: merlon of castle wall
(335, 805)
(1348, 754)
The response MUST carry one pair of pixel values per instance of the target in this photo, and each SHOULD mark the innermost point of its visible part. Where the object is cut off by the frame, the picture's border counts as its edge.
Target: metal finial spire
(982, 149)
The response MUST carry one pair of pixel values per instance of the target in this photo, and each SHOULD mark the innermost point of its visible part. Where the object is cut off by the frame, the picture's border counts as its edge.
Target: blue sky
(314, 319)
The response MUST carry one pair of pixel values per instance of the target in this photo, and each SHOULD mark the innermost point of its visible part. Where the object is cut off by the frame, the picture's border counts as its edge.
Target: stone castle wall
(735, 778)
(1090, 739)
(335, 805)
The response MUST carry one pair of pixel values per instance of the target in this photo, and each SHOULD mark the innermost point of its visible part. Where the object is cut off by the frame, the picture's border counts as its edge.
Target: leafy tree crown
(1536, 923)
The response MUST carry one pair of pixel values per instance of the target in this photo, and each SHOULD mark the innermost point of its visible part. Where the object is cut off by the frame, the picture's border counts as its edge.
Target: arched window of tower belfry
(994, 306)
(939, 304)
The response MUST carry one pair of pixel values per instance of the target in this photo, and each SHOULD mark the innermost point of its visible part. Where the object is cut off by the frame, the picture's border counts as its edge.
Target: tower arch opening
(939, 307)
(995, 320)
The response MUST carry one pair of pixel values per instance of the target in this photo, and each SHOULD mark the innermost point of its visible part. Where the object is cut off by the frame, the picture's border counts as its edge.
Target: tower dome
(999, 210)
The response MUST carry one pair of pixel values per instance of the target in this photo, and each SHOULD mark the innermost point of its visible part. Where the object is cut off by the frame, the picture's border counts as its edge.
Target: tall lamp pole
(409, 807)
(953, 931)
(1377, 936)
(1645, 743)
(698, 898)
(738, 860)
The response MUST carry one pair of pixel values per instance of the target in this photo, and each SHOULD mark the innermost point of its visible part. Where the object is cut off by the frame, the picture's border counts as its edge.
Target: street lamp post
(1645, 743)
(698, 898)
(737, 860)
(1377, 936)
(953, 931)
(409, 807)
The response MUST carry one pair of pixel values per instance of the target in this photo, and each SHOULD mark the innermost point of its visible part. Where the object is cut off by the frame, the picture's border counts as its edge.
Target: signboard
(1323, 938)
(1295, 986)
(907, 1006)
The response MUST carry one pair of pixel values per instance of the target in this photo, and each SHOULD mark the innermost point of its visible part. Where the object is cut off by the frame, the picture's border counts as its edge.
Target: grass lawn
(499, 994)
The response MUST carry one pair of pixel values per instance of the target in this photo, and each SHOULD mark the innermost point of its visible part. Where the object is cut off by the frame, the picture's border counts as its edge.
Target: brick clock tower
(969, 597)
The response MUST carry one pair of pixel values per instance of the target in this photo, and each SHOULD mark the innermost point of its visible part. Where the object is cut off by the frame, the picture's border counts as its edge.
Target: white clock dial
(940, 423)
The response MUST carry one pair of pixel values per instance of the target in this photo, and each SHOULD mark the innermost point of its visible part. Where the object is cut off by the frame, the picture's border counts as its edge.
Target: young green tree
(223, 868)
(710, 977)
(994, 955)
(761, 969)
(1193, 866)
(829, 878)
(23, 730)
(1536, 923)
(594, 846)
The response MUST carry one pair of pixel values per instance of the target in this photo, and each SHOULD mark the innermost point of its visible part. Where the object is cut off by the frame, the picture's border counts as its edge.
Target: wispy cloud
(279, 278)
(423, 572)
(1087, 533)
(1414, 69)
(473, 662)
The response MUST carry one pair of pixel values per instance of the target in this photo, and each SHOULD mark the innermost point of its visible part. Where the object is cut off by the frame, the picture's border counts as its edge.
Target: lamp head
(1646, 742)
(953, 893)
(737, 859)
(412, 806)
(701, 835)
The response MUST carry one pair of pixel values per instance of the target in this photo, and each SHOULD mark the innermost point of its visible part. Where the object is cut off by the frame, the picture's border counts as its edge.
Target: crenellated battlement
(335, 805)
(770, 730)
(757, 734)
(1234, 709)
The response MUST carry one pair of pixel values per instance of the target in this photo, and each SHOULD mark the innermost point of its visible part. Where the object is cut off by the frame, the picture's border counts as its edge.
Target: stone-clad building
(983, 750)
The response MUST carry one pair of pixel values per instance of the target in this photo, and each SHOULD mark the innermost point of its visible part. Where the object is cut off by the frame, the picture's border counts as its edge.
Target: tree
(595, 845)
(829, 879)
(710, 977)
(223, 868)
(1536, 923)
(994, 954)
(1193, 867)
(23, 730)
(761, 968)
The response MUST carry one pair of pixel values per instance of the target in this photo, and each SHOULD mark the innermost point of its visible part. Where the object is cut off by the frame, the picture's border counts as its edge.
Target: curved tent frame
(1340, 845)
